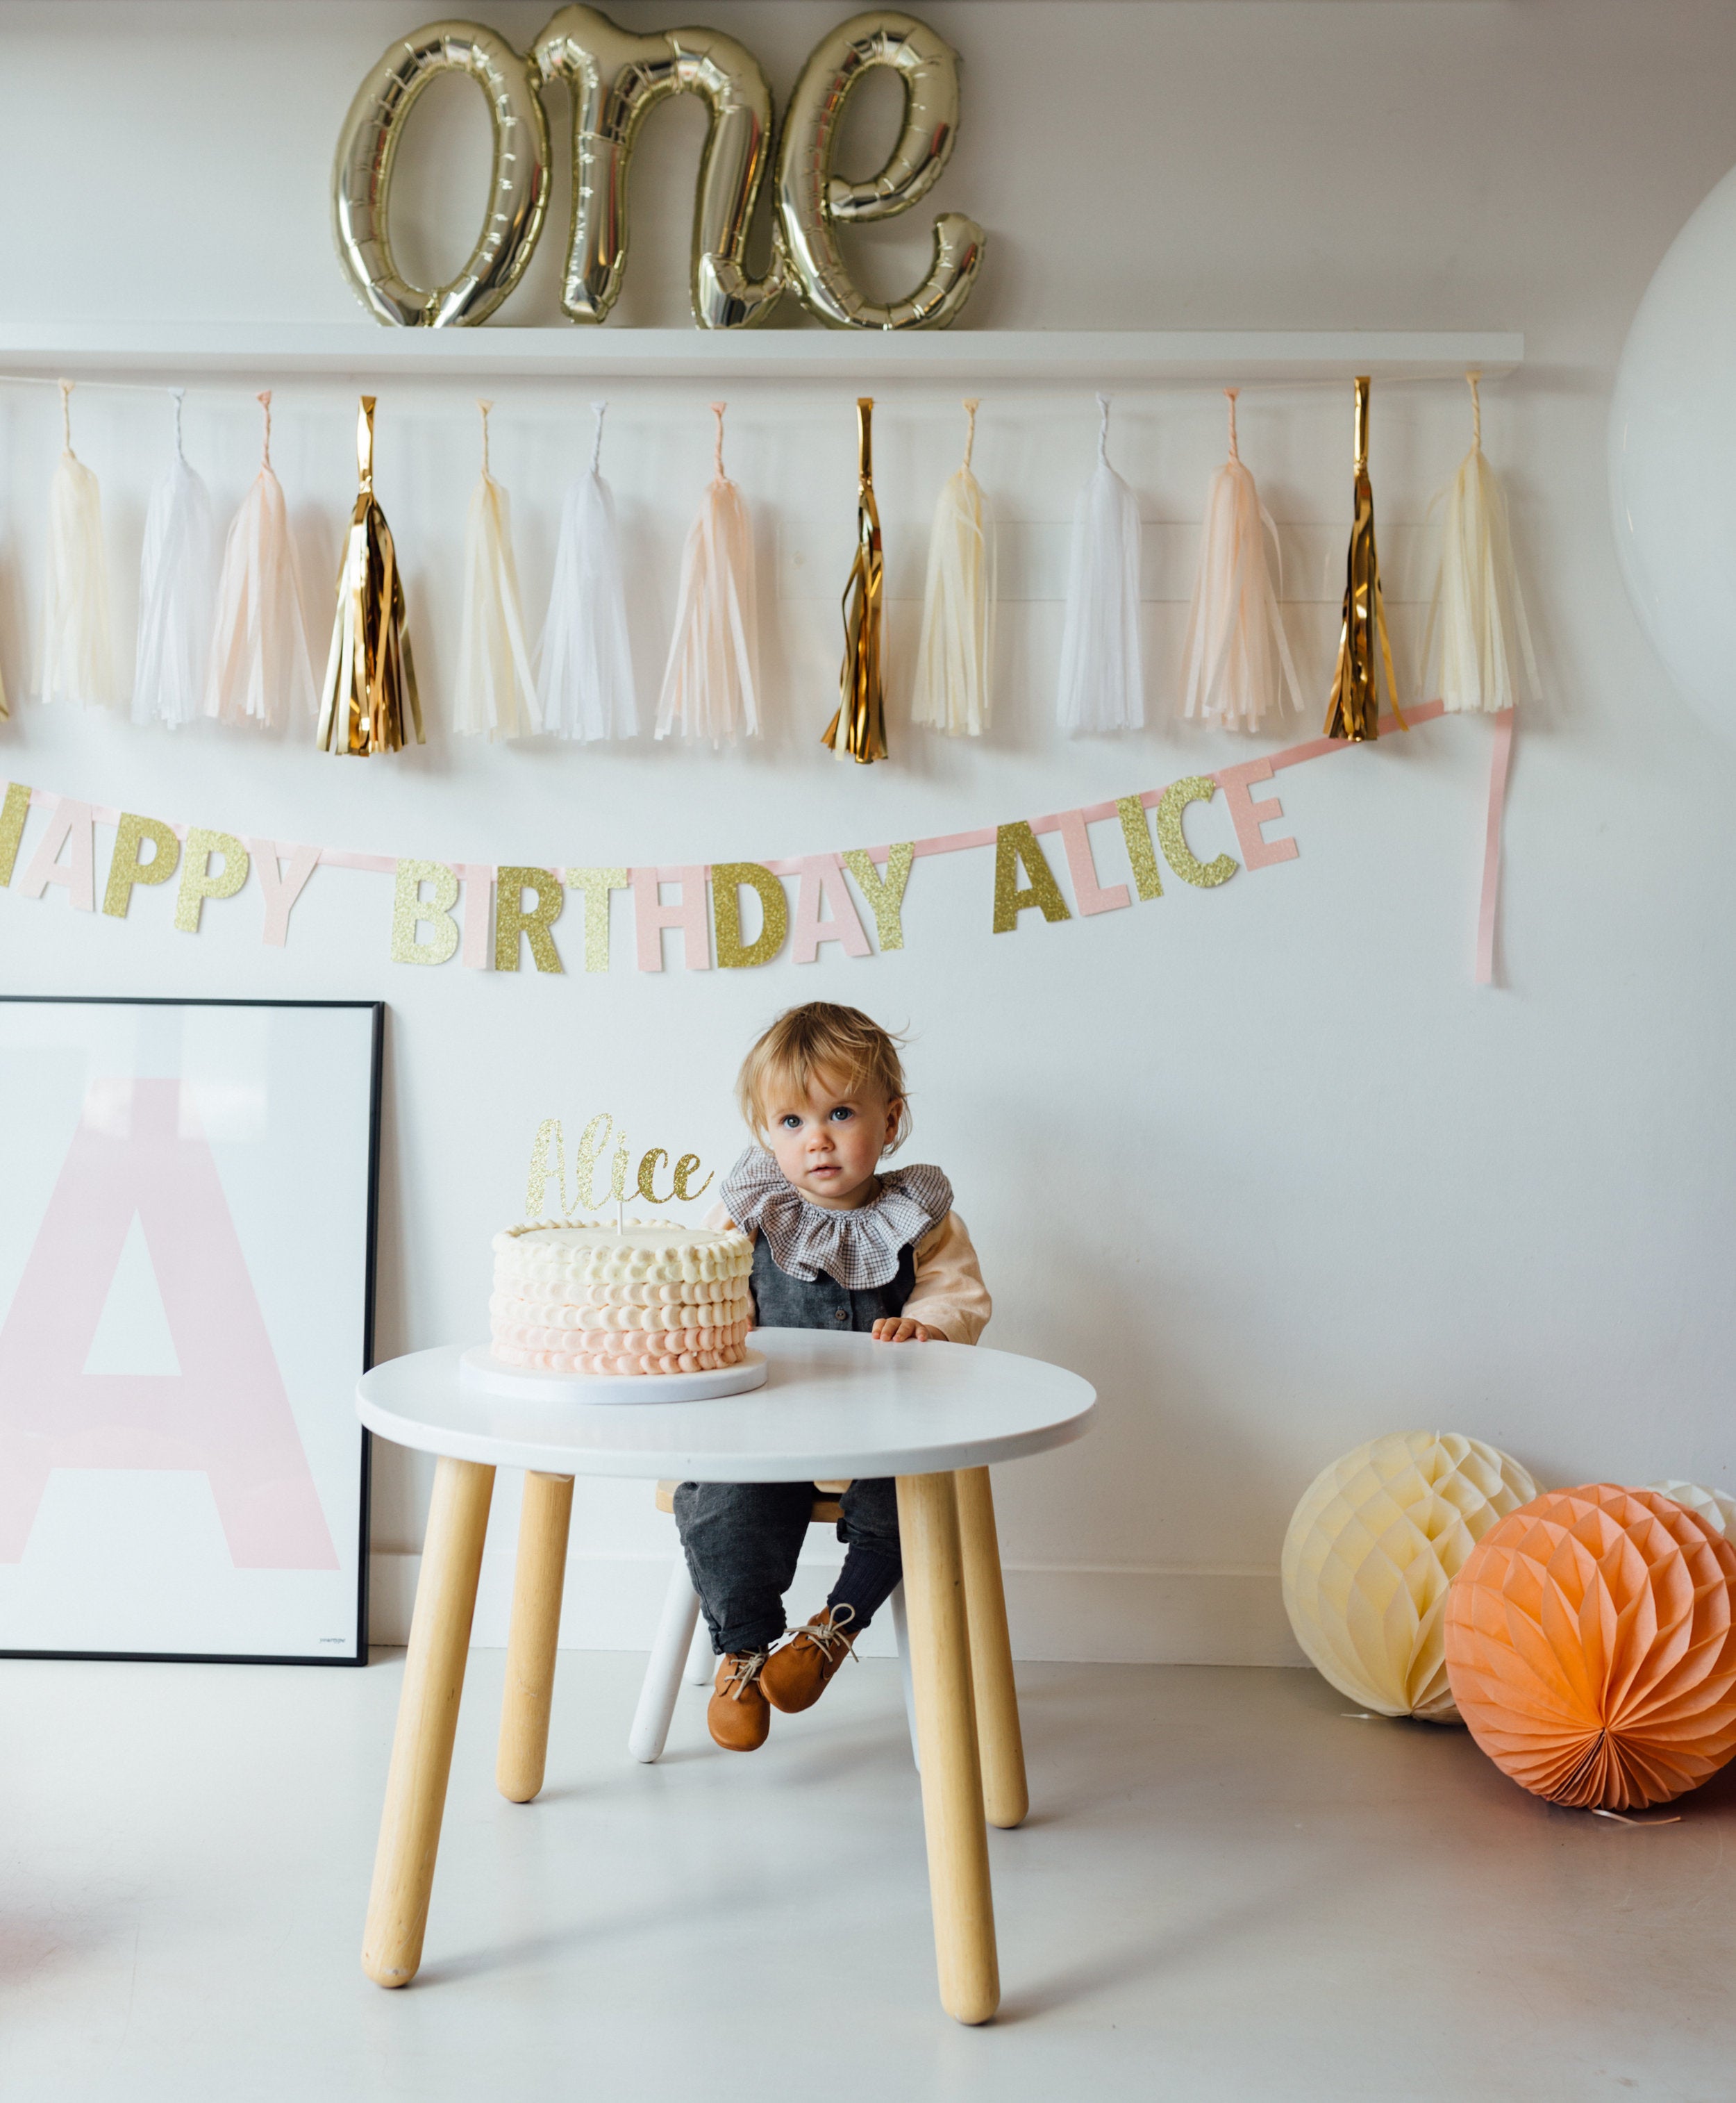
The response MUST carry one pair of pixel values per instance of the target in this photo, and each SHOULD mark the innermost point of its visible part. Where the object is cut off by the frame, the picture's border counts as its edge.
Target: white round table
(934, 1416)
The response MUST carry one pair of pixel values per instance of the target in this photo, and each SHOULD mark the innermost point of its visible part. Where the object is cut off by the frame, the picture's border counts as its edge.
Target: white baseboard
(1130, 1616)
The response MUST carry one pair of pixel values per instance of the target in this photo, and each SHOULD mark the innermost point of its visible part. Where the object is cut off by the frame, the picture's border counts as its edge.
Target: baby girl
(837, 1244)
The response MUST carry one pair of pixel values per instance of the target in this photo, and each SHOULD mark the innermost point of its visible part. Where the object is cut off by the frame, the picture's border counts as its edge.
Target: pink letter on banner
(282, 888)
(71, 822)
(651, 916)
(226, 1414)
(1088, 894)
(822, 884)
(1257, 852)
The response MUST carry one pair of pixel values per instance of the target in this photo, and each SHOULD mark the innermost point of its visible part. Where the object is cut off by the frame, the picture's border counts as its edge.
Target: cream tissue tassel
(1476, 603)
(1238, 660)
(77, 661)
(958, 609)
(585, 681)
(177, 594)
(710, 683)
(1103, 679)
(260, 672)
(496, 692)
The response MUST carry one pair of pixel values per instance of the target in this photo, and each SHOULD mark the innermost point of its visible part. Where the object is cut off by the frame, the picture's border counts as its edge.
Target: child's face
(829, 1142)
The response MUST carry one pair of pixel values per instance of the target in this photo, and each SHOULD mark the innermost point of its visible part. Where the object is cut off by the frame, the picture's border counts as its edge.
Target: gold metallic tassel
(369, 676)
(859, 730)
(1354, 710)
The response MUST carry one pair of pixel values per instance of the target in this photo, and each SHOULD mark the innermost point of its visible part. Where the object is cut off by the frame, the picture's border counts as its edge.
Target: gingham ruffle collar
(857, 1249)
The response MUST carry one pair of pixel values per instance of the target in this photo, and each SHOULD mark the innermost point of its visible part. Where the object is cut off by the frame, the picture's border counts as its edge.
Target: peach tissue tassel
(1477, 611)
(958, 610)
(1238, 662)
(177, 594)
(496, 690)
(260, 672)
(711, 683)
(1102, 677)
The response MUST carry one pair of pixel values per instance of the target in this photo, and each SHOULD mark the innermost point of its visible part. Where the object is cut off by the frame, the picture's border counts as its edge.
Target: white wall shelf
(362, 349)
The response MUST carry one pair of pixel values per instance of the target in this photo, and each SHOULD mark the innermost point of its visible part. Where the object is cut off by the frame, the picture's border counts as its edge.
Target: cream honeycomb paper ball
(1715, 1506)
(1371, 1549)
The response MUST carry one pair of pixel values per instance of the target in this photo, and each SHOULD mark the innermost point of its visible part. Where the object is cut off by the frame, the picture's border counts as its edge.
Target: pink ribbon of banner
(1249, 817)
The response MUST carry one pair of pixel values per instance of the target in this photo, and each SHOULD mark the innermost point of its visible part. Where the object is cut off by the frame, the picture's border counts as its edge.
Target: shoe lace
(831, 1633)
(745, 1669)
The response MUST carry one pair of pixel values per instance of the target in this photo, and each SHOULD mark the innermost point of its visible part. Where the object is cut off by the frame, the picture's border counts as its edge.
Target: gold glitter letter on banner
(648, 1161)
(125, 868)
(1136, 831)
(548, 1153)
(198, 883)
(884, 894)
(13, 812)
(596, 884)
(684, 1169)
(727, 878)
(511, 919)
(409, 908)
(1016, 845)
(1196, 789)
(593, 1140)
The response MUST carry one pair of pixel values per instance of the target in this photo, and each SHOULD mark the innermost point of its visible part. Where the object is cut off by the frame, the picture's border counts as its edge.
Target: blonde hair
(823, 1041)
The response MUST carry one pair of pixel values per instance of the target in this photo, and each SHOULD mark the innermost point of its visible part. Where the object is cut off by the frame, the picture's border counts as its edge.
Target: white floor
(1227, 1890)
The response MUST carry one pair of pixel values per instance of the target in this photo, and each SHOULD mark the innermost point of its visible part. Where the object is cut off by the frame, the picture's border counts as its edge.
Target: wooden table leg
(1006, 1798)
(427, 1722)
(543, 1519)
(946, 1727)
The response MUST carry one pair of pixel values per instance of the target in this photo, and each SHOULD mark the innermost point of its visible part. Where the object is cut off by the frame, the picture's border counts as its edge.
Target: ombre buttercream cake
(649, 1298)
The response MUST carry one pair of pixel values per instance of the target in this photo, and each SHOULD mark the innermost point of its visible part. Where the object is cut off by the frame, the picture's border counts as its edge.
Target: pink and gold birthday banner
(490, 914)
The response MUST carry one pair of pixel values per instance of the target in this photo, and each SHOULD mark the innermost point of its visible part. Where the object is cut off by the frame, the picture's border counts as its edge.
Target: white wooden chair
(681, 1647)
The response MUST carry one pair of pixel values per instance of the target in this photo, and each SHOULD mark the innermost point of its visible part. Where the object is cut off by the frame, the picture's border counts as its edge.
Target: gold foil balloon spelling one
(859, 730)
(1354, 710)
(812, 201)
(517, 184)
(615, 79)
(370, 677)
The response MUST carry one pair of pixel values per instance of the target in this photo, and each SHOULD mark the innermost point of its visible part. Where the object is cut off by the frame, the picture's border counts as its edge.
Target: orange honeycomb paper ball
(1591, 1646)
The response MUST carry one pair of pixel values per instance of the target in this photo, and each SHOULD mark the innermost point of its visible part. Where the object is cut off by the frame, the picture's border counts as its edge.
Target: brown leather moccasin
(736, 1715)
(796, 1676)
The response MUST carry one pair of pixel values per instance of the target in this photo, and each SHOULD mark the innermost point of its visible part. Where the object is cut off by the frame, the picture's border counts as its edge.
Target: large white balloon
(1673, 458)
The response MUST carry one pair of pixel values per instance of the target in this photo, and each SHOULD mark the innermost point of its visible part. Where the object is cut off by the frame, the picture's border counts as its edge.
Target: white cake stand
(481, 1371)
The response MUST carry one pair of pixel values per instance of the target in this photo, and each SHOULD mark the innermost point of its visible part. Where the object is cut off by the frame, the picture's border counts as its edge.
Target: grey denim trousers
(741, 1541)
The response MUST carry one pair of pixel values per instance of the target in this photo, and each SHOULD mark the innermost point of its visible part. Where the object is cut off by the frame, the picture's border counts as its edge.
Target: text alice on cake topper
(548, 1163)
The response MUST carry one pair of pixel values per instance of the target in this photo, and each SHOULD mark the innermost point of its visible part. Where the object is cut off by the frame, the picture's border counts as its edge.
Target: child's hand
(894, 1329)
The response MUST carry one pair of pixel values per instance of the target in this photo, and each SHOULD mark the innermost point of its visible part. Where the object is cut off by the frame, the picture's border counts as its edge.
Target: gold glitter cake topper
(548, 1159)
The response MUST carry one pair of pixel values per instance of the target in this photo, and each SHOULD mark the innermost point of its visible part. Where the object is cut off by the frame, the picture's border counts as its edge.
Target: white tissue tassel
(259, 669)
(497, 693)
(1477, 604)
(710, 684)
(584, 680)
(78, 662)
(1103, 681)
(1238, 660)
(952, 658)
(177, 591)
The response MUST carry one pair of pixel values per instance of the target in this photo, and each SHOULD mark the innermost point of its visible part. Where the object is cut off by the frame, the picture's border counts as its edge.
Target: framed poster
(188, 1193)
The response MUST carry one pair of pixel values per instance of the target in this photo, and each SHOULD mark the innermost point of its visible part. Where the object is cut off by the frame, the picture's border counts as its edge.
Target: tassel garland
(259, 669)
(710, 684)
(1485, 637)
(1353, 712)
(78, 662)
(858, 728)
(585, 684)
(1103, 678)
(1238, 660)
(953, 658)
(177, 593)
(496, 692)
(370, 679)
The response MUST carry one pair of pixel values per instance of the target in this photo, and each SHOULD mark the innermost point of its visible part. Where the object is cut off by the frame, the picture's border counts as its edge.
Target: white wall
(1261, 1162)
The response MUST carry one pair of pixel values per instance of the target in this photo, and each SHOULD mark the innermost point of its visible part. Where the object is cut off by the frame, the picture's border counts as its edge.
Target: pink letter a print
(226, 1412)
